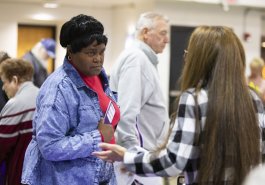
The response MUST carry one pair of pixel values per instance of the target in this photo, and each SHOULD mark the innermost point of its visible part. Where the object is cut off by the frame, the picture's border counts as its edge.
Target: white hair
(147, 20)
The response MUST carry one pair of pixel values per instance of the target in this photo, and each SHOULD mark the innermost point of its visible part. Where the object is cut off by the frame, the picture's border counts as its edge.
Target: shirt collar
(148, 51)
(22, 86)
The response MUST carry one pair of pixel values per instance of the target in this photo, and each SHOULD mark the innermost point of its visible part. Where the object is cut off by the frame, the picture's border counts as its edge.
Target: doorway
(179, 41)
(29, 35)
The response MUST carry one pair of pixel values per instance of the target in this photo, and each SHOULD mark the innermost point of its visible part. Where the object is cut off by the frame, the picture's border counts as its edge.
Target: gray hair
(147, 20)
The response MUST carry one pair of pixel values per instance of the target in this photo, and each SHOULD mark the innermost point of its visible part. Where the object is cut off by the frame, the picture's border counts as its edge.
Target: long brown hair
(216, 60)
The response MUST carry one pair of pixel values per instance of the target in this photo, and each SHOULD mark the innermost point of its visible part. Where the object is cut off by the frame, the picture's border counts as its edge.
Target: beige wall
(13, 14)
(187, 14)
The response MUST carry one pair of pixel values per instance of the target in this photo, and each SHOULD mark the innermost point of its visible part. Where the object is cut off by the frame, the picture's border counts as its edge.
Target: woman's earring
(69, 58)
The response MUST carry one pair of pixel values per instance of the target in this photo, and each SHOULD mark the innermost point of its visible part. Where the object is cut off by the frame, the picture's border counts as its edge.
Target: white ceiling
(260, 4)
(77, 3)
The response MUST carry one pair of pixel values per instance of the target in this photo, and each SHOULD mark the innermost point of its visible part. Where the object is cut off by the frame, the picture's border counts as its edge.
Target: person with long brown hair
(216, 135)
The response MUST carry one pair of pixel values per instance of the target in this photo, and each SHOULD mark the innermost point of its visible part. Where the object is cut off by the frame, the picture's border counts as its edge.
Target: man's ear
(15, 79)
(144, 33)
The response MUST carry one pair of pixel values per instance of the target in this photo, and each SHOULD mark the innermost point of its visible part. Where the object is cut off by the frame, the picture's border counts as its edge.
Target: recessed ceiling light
(50, 5)
(43, 17)
(263, 44)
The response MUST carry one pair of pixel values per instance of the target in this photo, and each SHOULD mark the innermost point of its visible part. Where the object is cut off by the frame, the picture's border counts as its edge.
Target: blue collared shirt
(65, 133)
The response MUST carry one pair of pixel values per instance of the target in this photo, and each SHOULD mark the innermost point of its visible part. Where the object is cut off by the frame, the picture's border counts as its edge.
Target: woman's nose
(97, 58)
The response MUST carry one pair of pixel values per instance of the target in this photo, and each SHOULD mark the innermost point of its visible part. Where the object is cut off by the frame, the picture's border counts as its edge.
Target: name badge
(110, 112)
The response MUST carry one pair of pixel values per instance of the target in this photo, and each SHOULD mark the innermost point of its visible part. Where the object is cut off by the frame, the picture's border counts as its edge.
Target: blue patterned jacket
(65, 133)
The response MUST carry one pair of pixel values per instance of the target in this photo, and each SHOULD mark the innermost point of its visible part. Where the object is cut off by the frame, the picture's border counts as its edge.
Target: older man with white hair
(144, 117)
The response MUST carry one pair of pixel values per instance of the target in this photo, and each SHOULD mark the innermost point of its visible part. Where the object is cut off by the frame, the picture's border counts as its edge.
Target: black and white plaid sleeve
(180, 154)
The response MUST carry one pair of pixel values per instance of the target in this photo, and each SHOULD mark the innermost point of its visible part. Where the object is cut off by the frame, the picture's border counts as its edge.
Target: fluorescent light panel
(43, 17)
(50, 5)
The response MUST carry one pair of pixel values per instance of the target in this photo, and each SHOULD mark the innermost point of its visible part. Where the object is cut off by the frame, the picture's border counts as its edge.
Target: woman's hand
(106, 130)
(111, 152)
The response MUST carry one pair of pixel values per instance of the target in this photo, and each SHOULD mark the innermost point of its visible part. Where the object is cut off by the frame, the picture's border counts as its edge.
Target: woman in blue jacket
(68, 122)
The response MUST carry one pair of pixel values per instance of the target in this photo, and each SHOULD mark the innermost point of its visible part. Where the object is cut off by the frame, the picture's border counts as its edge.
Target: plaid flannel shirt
(181, 156)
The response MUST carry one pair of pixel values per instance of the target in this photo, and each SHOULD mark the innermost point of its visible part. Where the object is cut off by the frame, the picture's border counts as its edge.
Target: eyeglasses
(185, 53)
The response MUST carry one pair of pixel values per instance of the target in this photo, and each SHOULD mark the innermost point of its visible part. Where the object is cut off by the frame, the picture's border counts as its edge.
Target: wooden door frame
(53, 29)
